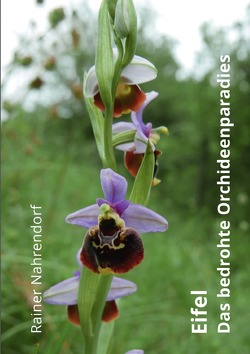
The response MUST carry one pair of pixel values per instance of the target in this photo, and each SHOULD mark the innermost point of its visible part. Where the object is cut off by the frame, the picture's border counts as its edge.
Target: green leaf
(143, 181)
(97, 122)
(122, 19)
(104, 56)
(92, 294)
(86, 297)
(105, 337)
(100, 299)
(131, 40)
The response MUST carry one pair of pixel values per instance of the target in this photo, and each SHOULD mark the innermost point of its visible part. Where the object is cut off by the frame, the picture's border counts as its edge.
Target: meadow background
(49, 159)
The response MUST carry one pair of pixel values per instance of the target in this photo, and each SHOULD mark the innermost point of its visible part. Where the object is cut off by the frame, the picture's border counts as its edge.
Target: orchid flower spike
(66, 293)
(129, 96)
(112, 242)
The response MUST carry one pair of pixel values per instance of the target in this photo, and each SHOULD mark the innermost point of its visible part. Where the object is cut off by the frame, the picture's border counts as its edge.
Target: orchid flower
(112, 242)
(135, 150)
(66, 293)
(143, 131)
(129, 96)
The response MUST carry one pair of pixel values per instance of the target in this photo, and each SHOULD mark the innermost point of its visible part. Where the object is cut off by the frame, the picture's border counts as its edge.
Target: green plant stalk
(118, 68)
(109, 162)
(93, 293)
(109, 156)
(93, 288)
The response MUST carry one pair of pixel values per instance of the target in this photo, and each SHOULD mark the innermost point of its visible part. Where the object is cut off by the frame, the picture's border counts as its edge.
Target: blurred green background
(49, 159)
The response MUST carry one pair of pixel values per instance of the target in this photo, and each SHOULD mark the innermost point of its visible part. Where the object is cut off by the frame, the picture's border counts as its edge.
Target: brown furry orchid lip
(115, 253)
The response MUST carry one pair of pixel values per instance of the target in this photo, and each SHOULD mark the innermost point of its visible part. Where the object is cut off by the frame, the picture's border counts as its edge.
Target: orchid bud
(122, 19)
(126, 27)
(111, 8)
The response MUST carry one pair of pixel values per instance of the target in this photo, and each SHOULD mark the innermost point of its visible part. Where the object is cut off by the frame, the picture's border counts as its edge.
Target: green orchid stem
(117, 73)
(109, 156)
(93, 288)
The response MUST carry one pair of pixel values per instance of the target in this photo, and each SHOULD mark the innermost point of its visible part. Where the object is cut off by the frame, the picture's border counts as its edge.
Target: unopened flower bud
(111, 8)
(122, 20)
(125, 18)
(125, 26)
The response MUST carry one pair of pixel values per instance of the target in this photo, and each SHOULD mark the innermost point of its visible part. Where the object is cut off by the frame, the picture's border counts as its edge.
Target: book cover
(125, 192)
